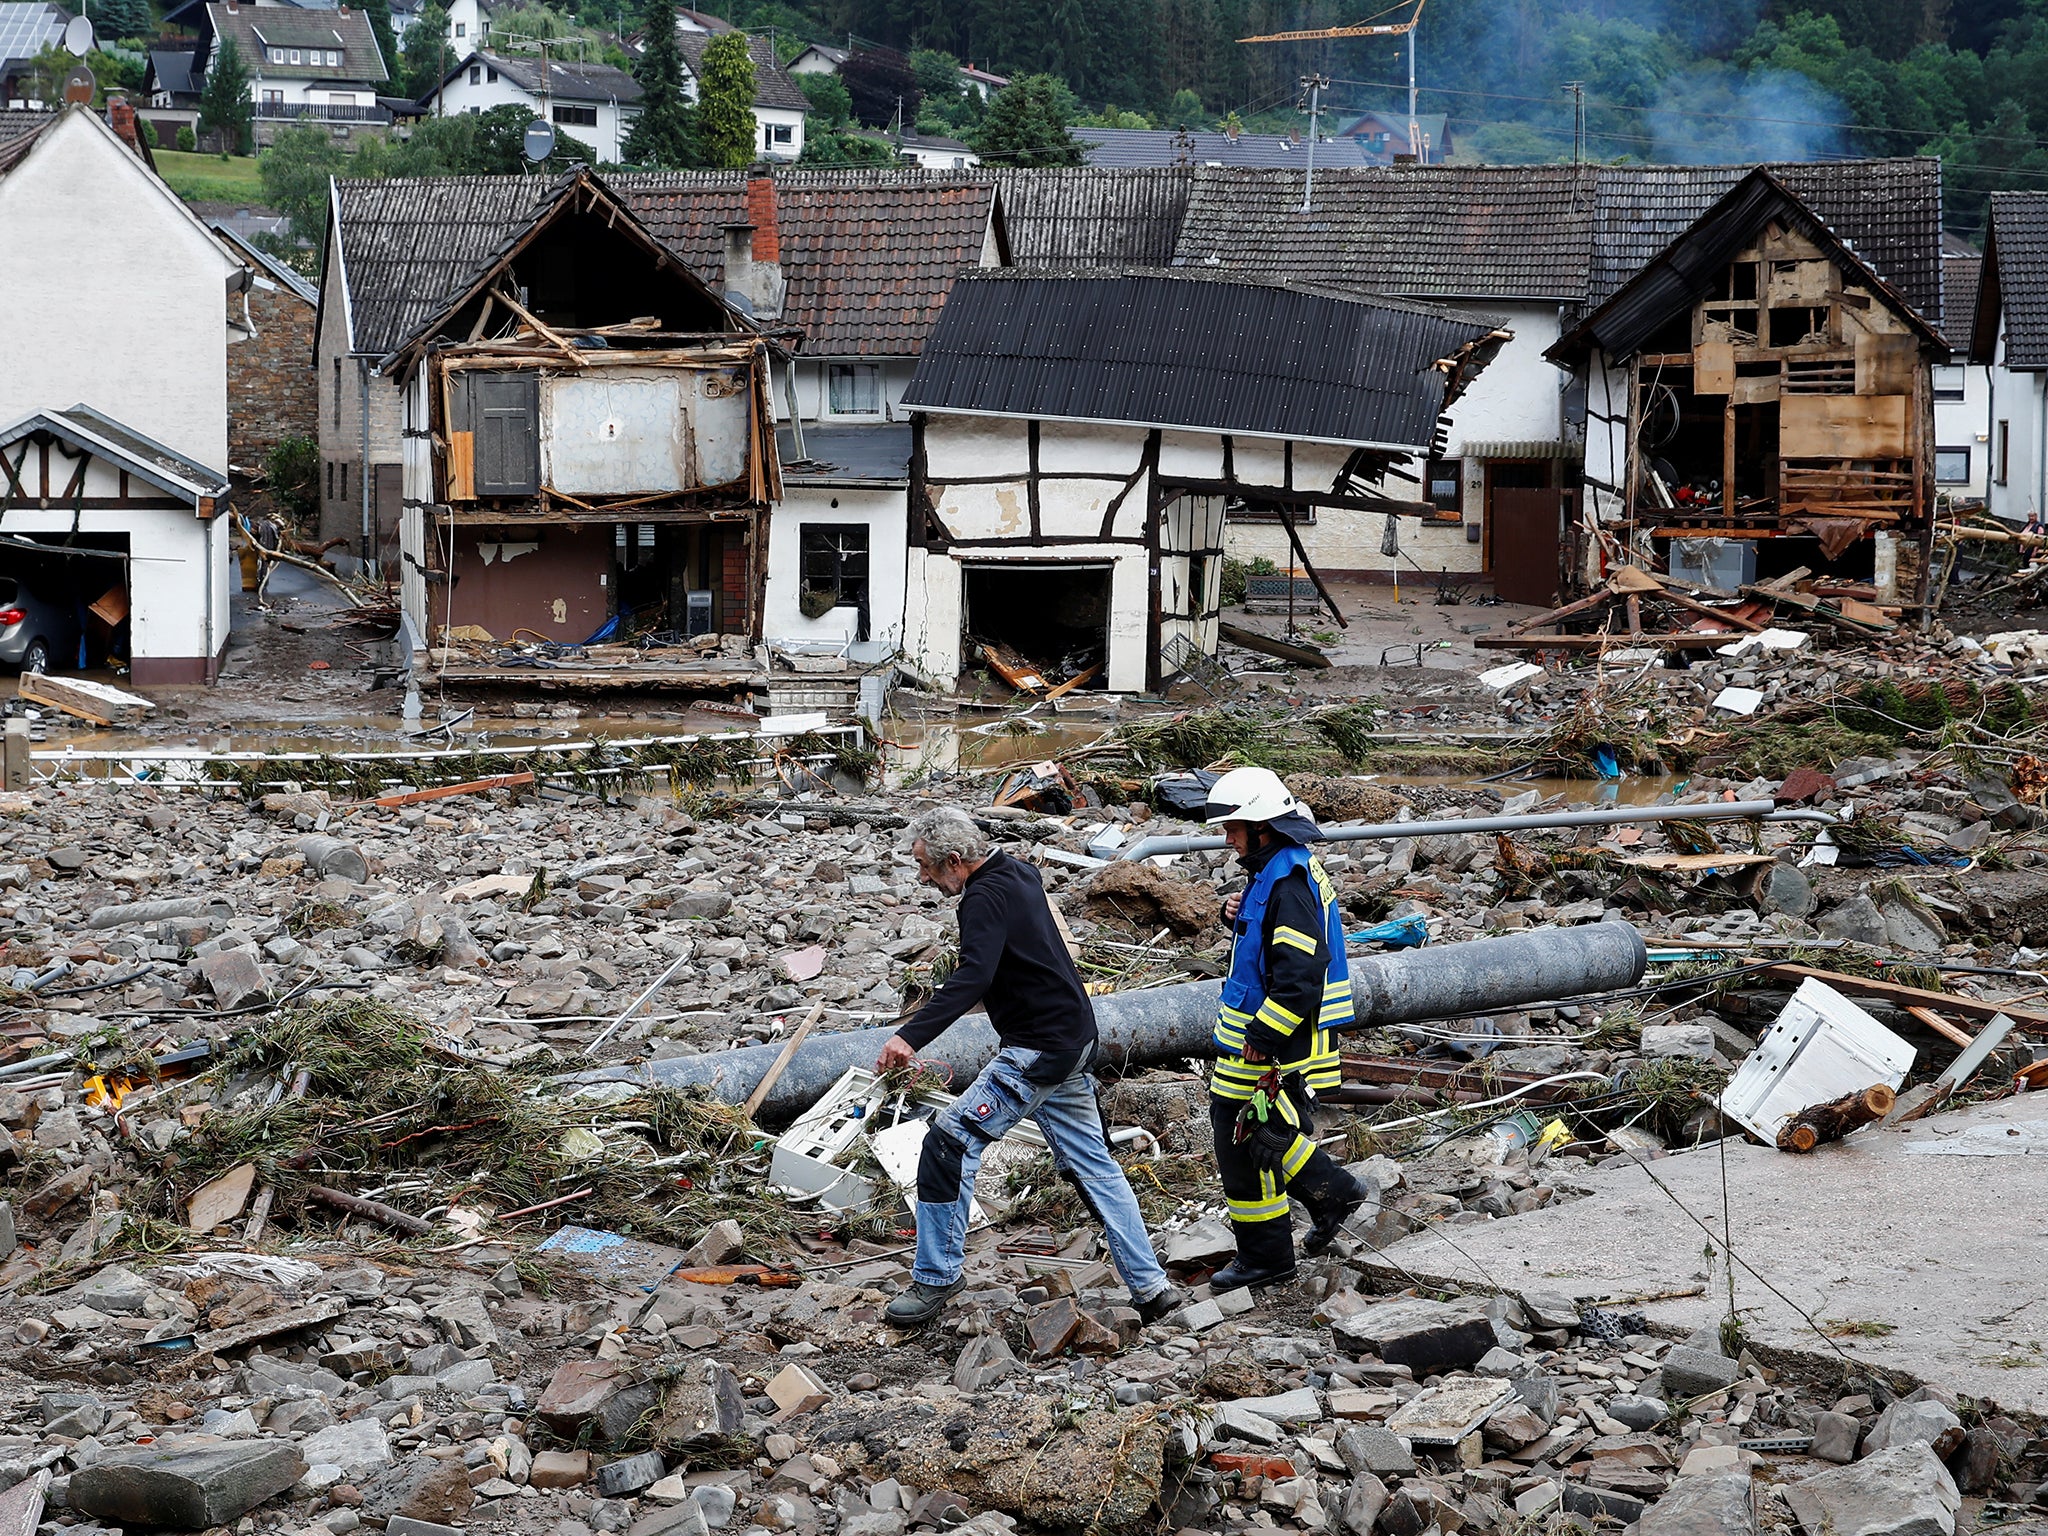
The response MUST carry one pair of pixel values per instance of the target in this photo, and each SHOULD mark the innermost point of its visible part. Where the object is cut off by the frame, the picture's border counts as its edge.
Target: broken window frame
(1250, 509)
(828, 561)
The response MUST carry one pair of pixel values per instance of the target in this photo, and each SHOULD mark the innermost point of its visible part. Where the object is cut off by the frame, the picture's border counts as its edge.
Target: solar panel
(26, 29)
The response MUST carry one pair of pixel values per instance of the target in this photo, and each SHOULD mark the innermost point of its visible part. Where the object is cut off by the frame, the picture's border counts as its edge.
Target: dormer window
(295, 55)
(276, 55)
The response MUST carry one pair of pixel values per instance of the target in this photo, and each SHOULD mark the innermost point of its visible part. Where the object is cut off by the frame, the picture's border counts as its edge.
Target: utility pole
(1414, 127)
(1315, 85)
(1578, 94)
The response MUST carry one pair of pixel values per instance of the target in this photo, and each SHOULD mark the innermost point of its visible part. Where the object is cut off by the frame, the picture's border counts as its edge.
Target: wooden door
(1526, 524)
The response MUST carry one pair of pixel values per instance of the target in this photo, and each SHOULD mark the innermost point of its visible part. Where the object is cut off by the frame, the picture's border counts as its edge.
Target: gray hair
(947, 831)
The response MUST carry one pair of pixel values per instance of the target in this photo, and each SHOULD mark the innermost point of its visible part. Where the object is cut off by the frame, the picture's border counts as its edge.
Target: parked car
(36, 631)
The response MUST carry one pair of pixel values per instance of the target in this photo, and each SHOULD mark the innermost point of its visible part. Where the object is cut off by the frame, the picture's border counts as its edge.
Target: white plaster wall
(1606, 462)
(883, 510)
(1072, 447)
(1517, 398)
(2017, 400)
(470, 14)
(414, 594)
(935, 159)
(978, 446)
(111, 295)
(606, 140)
(767, 119)
(1963, 424)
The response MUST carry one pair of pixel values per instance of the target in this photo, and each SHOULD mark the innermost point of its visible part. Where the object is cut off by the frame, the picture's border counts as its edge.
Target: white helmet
(1253, 794)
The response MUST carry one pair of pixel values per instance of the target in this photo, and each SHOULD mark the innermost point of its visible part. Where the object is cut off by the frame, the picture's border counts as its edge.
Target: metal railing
(323, 111)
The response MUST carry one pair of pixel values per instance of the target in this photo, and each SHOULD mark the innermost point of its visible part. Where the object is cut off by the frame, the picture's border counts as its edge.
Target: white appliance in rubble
(1821, 1047)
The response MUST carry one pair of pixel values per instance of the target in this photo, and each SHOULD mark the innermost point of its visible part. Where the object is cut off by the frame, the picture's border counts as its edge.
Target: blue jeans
(1065, 1111)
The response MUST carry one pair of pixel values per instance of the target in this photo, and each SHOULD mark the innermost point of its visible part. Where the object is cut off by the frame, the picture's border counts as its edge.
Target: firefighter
(1288, 989)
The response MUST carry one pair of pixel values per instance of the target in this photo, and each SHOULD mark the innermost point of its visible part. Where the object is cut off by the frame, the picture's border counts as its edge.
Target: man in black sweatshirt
(1014, 962)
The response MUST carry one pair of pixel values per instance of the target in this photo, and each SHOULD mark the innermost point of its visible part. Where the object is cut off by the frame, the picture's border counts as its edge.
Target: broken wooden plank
(1013, 668)
(1079, 679)
(370, 1210)
(2032, 1019)
(445, 791)
(1266, 645)
(100, 703)
(1939, 1025)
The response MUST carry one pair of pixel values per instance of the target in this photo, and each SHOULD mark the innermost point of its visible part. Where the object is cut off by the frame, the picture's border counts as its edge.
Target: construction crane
(1368, 28)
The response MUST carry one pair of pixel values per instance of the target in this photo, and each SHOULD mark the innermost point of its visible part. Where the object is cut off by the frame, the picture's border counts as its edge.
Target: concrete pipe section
(1167, 1023)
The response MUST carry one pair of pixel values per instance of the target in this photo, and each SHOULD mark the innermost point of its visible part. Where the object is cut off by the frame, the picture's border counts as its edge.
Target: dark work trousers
(1258, 1199)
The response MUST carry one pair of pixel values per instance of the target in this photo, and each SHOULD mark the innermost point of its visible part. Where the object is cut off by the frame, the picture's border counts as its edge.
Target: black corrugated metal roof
(2014, 279)
(1089, 216)
(1177, 349)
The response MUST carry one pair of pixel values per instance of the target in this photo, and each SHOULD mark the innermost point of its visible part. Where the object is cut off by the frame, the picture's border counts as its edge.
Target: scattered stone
(1909, 1423)
(1904, 1491)
(186, 1489)
(1696, 1372)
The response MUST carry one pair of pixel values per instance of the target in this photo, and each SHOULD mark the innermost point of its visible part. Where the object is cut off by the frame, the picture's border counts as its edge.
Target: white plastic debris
(1500, 679)
(1739, 701)
(1821, 1047)
(1766, 640)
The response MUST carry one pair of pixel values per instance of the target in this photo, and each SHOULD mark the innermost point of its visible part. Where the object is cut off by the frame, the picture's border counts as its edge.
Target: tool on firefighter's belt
(1266, 1125)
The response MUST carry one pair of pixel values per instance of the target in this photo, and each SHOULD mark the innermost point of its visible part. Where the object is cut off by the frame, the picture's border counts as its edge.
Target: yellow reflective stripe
(1234, 1015)
(1336, 986)
(1294, 938)
(1280, 1020)
(1297, 1157)
(1258, 1210)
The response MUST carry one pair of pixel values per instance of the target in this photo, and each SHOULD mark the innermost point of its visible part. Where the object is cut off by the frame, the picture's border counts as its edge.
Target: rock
(1049, 1329)
(1550, 1309)
(71, 1415)
(1144, 893)
(1300, 1406)
(1910, 926)
(1696, 1372)
(1367, 1449)
(602, 1393)
(1540, 1393)
(1904, 1491)
(1923, 1423)
(559, 1469)
(722, 1242)
(466, 1320)
(1202, 1245)
(7, 1240)
(405, 1525)
(188, 1490)
(1835, 1436)
(716, 1501)
(1639, 1413)
(1363, 1502)
(116, 1290)
(1424, 1335)
(1786, 891)
(422, 1489)
(1856, 920)
(702, 1407)
(1688, 1042)
(1596, 1502)
(1231, 1422)
(359, 1447)
(629, 1475)
(986, 1360)
(703, 904)
(21, 1507)
(235, 977)
(1717, 1504)
(1513, 1425)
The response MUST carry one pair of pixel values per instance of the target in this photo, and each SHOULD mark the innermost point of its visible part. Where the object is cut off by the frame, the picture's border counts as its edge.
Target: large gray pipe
(1164, 1023)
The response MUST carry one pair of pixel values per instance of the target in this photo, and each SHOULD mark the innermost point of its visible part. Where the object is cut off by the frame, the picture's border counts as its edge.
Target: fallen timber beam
(1171, 1023)
(2032, 1020)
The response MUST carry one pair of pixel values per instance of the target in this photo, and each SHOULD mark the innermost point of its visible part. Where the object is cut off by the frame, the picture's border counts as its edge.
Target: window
(462, 29)
(337, 391)
(1246, 509)
(276, 55)
(1443, 486)
(1948, 381)
(1952, 466)
(330, 479)
(273, 98)
(2003, 458)
(833, 568)
(334, 58)
(779, 133)
(295, 55)
(344, 479)
(490, 75)
(853, 389)
(585, 117)
(476, 74)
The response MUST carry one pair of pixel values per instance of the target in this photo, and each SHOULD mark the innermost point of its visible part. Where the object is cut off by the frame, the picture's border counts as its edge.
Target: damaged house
(1761, 399)
(1078, 439)
(587, 436)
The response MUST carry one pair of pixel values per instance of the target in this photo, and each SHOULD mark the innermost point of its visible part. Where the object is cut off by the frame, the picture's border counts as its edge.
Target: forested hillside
(1661, 79)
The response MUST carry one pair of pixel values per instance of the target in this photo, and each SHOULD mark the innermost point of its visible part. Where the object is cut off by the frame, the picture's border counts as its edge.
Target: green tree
(428, 55)
(296, 170)
(1185, 111)
(938, 74)
(725, 101)
(114, 20)
(1027, 125)
(846, 149)
(664, 135)
(224, 104)
(830, 104)
(499, 148)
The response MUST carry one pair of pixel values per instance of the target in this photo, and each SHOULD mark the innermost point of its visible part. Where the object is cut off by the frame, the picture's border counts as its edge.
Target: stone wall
(273, 392)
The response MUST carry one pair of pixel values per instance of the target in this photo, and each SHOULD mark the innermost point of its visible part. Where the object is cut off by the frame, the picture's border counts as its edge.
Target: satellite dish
(79, 86)
(540, 140)
(78, 36)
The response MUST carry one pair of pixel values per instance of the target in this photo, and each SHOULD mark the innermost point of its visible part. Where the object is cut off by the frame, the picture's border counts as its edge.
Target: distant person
(1013, 960)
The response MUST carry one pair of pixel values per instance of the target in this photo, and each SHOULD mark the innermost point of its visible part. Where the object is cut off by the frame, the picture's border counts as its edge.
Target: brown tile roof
(18, 134)
(869, 256)
(772, 85)
(1090, 216)
(256, 28)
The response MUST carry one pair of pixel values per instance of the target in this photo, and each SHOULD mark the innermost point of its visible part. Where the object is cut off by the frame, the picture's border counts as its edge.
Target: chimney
(121, 118)
(753, 252)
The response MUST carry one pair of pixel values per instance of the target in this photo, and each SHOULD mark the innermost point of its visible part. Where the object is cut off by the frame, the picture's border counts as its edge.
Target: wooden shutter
(505, 414)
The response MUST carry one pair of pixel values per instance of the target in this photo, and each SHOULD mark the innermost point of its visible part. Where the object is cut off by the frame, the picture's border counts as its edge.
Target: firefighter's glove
(1268, 1125)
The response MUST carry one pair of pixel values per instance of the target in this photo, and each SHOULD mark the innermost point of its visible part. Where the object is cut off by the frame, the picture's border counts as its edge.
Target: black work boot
(1171, 1299)
(1329, 1221)
(919, 1303)
(1237, 1274)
